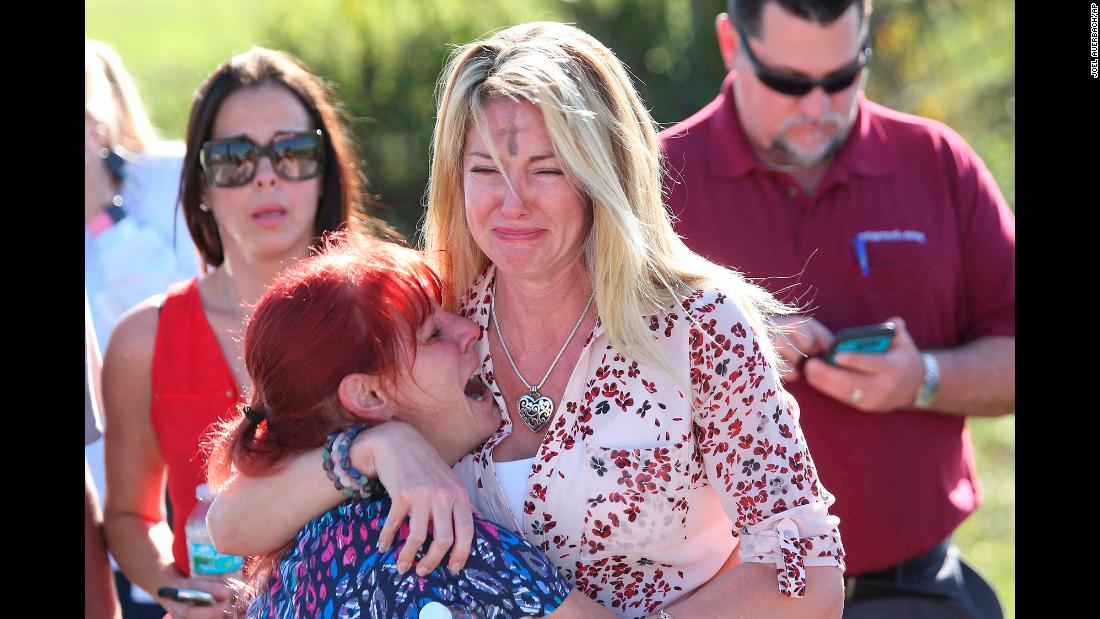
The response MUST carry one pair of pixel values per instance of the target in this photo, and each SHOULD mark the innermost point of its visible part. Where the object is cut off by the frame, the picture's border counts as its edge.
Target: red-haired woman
(354, 336)
(268, 169)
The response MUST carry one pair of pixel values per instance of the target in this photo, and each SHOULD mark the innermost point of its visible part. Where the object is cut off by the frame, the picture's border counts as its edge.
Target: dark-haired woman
(268, 170)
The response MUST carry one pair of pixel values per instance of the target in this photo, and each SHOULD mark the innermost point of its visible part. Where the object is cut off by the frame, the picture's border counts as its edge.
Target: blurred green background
(945, 59)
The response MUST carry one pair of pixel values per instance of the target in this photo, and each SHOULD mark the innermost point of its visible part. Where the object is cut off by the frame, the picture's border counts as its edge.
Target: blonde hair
(111, 97)
(607, 143)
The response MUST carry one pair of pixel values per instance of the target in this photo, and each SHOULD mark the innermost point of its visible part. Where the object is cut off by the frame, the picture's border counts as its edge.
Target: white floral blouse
(640, 491)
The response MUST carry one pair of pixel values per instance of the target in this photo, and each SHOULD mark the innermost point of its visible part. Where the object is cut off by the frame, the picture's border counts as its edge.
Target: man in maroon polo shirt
(859, 214)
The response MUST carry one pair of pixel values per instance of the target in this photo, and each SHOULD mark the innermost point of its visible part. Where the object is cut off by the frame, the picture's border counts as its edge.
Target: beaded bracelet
(336, 460)
(328, 464)
(372, 488)
(345, 477)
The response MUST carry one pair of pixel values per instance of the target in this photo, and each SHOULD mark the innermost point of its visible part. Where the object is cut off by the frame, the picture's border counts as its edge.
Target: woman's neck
(246, 280)
(533, 310)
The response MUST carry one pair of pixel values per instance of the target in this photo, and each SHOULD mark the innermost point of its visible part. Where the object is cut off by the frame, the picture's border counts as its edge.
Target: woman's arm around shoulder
(421, 487)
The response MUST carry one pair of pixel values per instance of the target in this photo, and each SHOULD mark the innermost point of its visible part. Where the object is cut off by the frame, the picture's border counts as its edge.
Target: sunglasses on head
(232, 162)
(798, 86)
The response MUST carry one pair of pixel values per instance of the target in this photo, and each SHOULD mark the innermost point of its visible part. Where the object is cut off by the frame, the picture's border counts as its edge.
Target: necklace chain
(536, 389)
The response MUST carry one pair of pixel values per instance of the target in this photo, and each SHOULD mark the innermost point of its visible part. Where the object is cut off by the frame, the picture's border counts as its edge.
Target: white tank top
(513, 481)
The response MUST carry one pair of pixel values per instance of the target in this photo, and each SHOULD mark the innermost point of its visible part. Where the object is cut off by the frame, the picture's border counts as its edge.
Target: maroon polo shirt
(938, 249)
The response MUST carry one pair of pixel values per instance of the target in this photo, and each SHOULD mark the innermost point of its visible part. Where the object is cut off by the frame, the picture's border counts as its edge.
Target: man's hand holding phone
(800, 338)
(873, 382)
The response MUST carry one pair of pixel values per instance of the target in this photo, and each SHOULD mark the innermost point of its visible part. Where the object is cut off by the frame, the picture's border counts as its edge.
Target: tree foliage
(941, 59)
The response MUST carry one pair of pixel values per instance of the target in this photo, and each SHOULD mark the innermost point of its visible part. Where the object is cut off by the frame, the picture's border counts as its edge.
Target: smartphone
(191, 597)
(867, 339)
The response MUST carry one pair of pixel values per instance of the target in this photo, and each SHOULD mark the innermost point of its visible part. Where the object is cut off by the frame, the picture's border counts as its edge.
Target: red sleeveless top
(193, 387)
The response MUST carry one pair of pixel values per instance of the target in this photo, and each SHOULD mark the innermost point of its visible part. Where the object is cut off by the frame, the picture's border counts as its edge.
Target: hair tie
(252, 415)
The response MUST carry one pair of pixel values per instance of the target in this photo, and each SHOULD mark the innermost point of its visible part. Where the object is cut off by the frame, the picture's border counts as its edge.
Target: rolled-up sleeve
(746, 426)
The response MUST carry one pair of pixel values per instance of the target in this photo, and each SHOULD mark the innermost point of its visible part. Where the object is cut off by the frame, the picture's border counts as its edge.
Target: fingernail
(421, 571)
(402, 567)
(383, 546)
(454, 569)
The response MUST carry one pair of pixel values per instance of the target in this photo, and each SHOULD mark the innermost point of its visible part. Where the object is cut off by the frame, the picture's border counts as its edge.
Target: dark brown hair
(746, 14)
(342, 185)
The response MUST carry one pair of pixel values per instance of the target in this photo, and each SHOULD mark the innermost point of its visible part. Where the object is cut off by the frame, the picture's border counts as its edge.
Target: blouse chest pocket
(636, 500)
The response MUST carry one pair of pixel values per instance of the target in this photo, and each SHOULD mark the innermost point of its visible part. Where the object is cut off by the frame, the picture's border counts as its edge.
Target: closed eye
(430, 336)
(482, 170)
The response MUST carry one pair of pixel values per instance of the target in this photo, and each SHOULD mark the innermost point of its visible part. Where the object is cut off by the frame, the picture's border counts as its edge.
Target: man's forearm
(978, 378)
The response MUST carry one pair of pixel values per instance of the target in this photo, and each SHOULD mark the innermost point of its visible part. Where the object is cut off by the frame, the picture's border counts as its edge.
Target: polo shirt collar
(733, 155)
(865, 152)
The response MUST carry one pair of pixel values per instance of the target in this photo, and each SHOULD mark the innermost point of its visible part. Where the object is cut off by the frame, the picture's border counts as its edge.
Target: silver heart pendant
(535, 412)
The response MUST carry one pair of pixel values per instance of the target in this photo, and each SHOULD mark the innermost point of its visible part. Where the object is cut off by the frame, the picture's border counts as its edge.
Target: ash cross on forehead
(513, 144)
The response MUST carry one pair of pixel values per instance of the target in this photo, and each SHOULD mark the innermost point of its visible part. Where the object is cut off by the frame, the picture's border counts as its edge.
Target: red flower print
(538, 491)
(645, 483)
(621, 458)
(695, 339)
(625, 480)
(586, 415)
(631, 512)
(601, 530)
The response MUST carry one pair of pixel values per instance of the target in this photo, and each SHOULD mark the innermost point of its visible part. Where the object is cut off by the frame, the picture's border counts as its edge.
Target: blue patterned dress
(335, 570)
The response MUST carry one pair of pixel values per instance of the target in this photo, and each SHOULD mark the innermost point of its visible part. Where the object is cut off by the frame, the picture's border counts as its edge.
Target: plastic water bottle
(204, 560)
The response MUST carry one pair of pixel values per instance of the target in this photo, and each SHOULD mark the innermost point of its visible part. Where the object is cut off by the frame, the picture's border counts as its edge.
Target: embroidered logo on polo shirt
(861, 239)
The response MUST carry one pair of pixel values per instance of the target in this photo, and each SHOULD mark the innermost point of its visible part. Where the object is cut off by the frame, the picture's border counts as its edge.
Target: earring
(204, 208)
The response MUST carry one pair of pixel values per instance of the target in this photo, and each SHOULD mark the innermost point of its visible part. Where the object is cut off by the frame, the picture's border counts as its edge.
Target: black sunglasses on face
(798, 86)
(232, 162)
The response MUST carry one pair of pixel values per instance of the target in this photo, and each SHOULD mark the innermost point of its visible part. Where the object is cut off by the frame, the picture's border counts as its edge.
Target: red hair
(345, 310)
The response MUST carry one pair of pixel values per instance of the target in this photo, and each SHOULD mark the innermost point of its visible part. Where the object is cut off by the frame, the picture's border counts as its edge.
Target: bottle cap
(203, 492)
